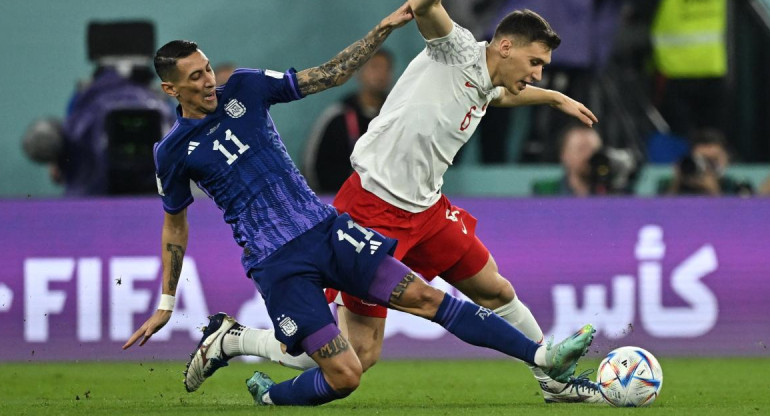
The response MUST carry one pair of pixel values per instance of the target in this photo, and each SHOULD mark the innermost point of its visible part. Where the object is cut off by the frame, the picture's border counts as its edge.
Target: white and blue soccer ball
(630, 377)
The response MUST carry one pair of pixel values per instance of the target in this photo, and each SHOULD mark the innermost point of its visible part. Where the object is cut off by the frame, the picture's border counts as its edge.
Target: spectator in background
(702, 172)
(327, 153)
(577, 145)
(223, 71)
(689, 42)
(764, 190)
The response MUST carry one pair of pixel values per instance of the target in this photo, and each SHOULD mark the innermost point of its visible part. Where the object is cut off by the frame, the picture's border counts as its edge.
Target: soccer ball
(630, 377)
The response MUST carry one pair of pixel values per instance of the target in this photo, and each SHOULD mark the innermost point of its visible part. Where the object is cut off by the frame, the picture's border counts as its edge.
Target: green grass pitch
(724, 387)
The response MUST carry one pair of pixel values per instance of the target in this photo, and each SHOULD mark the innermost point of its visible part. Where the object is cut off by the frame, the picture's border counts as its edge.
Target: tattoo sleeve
(334, 347)
(177, 254)
(340, 68)
(400, 288)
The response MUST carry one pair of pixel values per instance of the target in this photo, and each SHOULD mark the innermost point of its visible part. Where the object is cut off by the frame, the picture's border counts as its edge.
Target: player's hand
(576, 109)
(398, 18)
(151, 326)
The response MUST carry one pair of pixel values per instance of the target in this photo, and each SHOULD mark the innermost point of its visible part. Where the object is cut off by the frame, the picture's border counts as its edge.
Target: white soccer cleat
(579, 389)
(209, 356)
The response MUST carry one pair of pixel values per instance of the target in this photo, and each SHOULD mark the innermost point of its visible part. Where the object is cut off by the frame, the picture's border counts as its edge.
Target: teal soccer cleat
(563, 357)
(258, 385)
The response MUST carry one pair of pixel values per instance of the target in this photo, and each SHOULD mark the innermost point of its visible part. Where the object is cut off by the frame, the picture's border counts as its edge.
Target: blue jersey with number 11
(237, 157)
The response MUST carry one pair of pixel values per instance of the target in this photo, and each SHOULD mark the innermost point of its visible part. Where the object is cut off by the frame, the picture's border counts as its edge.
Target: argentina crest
(287, 325)
(235, 108)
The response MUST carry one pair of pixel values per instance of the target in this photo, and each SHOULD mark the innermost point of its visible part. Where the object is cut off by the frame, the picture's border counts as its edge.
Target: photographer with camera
(104, 145)
(702, 172)
(589, 168)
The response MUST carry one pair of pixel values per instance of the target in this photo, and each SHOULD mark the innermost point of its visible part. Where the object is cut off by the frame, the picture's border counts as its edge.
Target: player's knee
(346, 379)
(428, 300)
(368, 357)
(506, 294)
(493, 295)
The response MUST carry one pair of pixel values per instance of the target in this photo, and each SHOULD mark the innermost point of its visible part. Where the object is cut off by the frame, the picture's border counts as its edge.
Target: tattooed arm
(340, 68)
(174, 244)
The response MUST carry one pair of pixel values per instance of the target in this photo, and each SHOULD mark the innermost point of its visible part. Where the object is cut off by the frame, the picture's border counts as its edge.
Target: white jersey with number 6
(432, 111)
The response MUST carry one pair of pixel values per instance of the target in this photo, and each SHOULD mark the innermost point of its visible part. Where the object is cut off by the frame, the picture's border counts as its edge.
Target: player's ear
(505, 47)
(169, 88)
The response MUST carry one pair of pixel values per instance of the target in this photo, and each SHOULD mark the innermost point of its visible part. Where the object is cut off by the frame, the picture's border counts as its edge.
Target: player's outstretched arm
(538, 96)
(432, 18)
(174, 243)
(340, 68)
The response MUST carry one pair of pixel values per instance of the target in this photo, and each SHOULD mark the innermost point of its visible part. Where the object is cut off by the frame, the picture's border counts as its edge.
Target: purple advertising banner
(686, 276)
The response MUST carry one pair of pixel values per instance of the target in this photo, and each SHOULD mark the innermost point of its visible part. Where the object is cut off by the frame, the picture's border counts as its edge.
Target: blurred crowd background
(680, 88)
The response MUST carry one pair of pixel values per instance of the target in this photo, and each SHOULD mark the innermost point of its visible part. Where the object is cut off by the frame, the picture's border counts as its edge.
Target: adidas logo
(374, 245)
(192, 146)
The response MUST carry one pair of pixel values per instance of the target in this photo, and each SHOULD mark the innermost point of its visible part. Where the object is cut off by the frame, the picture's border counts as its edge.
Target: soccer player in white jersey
(399, 163)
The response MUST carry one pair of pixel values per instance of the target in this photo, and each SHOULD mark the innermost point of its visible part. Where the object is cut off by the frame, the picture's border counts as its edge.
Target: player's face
(524, 65)
(195, 86)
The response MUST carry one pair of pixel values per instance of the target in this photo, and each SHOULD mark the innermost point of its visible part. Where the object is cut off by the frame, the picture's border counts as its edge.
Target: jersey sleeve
(459, 47)
(173, 184)
(273, 86)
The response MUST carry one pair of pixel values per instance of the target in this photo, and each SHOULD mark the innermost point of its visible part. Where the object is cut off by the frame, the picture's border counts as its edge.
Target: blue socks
(471, 323)
(479, 326)
(307, 389)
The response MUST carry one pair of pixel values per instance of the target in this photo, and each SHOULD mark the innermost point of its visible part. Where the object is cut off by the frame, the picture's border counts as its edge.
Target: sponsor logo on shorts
(287, 325)
(452, 216)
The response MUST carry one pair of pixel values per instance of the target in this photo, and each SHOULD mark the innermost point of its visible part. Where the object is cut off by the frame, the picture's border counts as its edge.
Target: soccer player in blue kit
(293, 244)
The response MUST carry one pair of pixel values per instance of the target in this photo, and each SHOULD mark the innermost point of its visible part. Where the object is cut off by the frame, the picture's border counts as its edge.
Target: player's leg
(364, 325)
(304, 323)
(243, 340)
(475, 324)
(466, 263)
(364, 322)
(364, 268)
(490, 289)
(338, 374)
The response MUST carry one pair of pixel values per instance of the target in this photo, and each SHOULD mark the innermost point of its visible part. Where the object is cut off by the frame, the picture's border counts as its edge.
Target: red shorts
(438, 241)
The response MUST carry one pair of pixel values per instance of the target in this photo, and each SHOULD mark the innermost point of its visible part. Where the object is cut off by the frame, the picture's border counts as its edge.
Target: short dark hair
(385, 54)
(527, 27)
(706, 136)
(168, 54)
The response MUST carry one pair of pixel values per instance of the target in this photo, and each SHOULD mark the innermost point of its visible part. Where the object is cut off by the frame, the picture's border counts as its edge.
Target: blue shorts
(336, 253)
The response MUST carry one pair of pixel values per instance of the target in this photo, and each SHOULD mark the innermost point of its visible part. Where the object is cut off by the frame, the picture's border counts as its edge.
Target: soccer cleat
(258, 385)
(562, 358)
(578, 389)
(209, 355)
